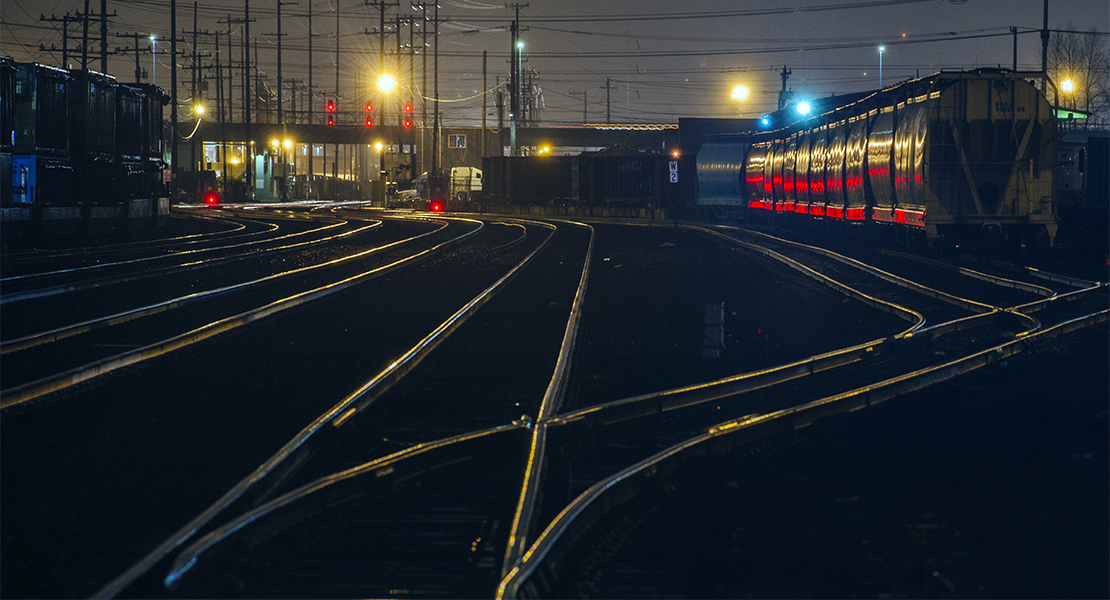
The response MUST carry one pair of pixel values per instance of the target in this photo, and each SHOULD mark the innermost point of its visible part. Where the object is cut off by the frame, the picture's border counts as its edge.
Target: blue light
(766, 120)
(803, 108)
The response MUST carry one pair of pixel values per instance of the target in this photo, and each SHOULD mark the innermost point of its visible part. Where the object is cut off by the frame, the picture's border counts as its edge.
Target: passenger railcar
(942, 160)
(81, 152)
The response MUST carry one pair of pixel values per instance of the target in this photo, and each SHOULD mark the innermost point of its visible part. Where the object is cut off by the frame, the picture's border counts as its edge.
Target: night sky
(664, 62)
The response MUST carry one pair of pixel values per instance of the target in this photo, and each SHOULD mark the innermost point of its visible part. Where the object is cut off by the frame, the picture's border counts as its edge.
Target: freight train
(81, 152)
(932, 163)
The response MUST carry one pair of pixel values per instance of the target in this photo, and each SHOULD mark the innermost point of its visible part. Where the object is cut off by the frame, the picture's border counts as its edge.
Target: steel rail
(753, 427)
(27, 256)
(553, 398)
(336, 416)
(379, 467)
(899, 311)
(337, 223)
(521, 239)
(992, 279)
(60, 381)
(1072, 281)
(964, 303)
(182, 267)
(273, 227)
(1037, 305)
(93, 324)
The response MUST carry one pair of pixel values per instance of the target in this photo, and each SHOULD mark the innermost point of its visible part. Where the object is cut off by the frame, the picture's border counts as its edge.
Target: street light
(1067, 85)
(153, 59)
(881, 49)
(386, 83)
(740, 93)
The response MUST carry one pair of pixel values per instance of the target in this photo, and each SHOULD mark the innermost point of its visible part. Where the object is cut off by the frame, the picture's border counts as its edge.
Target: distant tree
(1084, 59)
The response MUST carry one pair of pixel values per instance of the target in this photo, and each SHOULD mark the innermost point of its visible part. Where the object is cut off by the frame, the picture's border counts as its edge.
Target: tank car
(942, 160)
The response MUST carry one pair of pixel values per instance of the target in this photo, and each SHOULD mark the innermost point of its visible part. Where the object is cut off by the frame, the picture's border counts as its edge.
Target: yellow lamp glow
(386, 83)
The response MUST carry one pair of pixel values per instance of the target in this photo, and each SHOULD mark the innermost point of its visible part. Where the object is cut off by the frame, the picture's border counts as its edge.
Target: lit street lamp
(386, 83)
(153, 59)
(881, 49)
(739, 93)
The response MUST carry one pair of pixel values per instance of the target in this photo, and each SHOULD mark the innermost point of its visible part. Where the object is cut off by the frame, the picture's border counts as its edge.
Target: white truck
(463, 184)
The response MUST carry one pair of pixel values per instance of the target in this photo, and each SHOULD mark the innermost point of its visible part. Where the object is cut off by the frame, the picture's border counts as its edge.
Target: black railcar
(81, 153)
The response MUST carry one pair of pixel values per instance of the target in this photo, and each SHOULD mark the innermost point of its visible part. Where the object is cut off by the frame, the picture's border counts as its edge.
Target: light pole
(881, 49)
(153, 59)
(386, 83)
(739, 93)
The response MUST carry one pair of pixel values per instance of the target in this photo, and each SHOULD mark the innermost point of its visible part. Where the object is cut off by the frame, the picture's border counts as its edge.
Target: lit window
(456, 140)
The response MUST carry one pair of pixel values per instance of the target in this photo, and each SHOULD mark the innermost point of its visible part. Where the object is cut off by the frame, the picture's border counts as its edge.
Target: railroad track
(49, 360)
(478, 468)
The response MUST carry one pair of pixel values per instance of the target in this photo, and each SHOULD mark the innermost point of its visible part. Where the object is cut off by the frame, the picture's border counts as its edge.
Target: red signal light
(408, 123)
(211, 199)
(330, 107)
(369, 107)
(369, 122)
(408, 108)
(331, 120)
(436, 206)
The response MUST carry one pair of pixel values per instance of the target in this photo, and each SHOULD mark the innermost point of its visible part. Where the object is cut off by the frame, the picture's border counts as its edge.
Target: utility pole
(229, 116)
(1013, 30)
(312, 108)
(424, 84)
(65, 20)
(173, 99)
(135, 39)
(335, 160)
(247, 67)
(85, 37)
(514, 78)
(104, 35)
(608, 86)
(435, 107)
(311, 104)
(195, 57)
(1044, 40)
(484, 88)
(585, 117)
(783, 93)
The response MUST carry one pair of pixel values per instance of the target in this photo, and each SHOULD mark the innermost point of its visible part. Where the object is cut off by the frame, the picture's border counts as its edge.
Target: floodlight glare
(803, 108)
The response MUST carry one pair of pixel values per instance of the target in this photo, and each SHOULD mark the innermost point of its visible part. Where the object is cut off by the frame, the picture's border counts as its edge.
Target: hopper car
(932, 163)
(81, 152)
